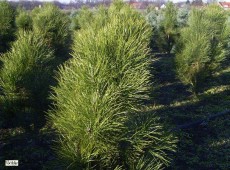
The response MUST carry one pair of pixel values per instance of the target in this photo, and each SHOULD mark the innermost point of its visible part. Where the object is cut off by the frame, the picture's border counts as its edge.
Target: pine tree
(202, 46)
(23, 21)
(25, 77)
(51, 23)
(182, 17)
(83, 18)
(99, 95)
(154, 18)
(168, 30)
(7, 28)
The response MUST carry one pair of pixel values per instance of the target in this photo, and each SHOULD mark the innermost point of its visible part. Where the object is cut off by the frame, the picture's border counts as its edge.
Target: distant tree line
(76, 4)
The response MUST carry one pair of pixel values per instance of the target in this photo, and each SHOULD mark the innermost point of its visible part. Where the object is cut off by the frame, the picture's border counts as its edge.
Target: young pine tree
(7, 28)
(52, 24)
(182, 17)
(154, 18)
(99, 96)
(202, 46)
(83, 18)
(25, 77)
(24, 21)
(168, 30)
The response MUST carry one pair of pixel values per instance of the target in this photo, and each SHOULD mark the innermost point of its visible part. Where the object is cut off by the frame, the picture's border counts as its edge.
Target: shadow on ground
(202, 147)
(32, 150)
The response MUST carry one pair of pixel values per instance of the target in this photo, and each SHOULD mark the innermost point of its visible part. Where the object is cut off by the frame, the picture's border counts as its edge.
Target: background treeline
(76, 4)
(91, 77)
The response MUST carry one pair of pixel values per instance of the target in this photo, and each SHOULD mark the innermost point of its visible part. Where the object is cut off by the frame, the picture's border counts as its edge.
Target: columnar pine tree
(168, 28)
(7, 16)
(202, 46)
(99, 97)
(154, 17)
(23, 21)
(25, 77)
(83, 17)
(51, 23)
(182, 17)
(165, 26)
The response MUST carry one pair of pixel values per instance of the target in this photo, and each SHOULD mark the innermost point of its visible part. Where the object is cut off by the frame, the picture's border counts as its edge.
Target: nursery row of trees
(28, 64)
(199, 38)
(93, 93)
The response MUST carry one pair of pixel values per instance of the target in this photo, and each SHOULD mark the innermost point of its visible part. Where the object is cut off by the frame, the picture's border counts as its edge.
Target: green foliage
(154, 18)
(35, 11)
(99, 97)
(7, 16)
(24, 21)
(83, 18)
(74, 24)
(202, 46)
(150, 8)
(165, 26)
(182, 17)
(168, 29)
(51, 23)
(86, 18)
(25, 78)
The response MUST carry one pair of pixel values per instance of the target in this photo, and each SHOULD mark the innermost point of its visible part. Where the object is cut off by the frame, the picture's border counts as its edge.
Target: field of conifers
(115, 89)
